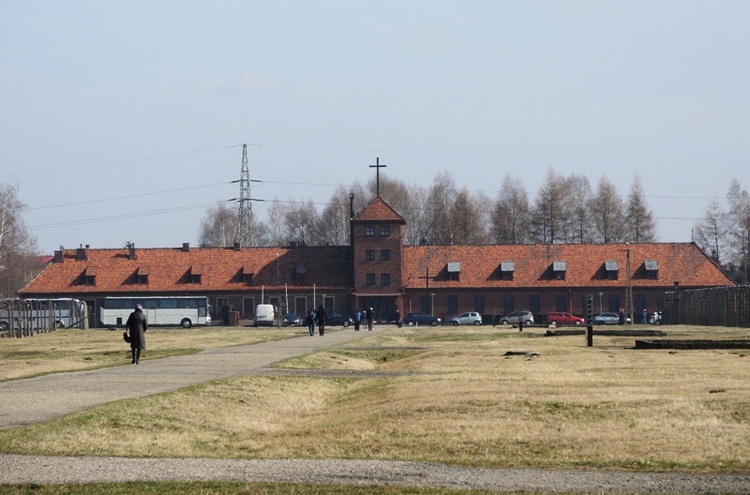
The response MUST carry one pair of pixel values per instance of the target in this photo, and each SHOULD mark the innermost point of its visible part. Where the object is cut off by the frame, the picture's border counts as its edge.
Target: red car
(563, 318)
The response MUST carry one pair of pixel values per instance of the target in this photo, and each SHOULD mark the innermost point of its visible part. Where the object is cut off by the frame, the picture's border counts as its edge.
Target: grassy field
(566, 407)
(461, 401)
(74, 350)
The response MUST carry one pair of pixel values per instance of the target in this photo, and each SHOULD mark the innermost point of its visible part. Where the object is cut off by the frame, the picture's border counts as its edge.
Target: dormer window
(89, 275)
(652, 269)
(454, 271)
(142, 275)
(507, 269)
(300, 274)
(612, 268)
(247, 275)
(196, 273)
(559, 269)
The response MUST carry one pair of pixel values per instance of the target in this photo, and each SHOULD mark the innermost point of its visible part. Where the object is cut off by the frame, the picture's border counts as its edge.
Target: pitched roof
(480, 266)
(378, 210)
(169, 270)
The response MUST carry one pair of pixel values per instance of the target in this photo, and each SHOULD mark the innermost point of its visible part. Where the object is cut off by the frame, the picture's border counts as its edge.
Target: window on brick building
(452, 304)
(385, 230)
(370, 254)
(369, 231)
(385, 254)
(370, 279)
(385, 279)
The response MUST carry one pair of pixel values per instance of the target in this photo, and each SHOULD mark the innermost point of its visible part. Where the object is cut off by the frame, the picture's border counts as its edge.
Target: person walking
(322, 318)
(357, 319)
(398, 318)
(370, 313)
(137, 325)
(310, 320)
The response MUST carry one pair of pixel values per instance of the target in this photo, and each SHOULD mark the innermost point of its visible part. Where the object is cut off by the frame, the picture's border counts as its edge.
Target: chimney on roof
(131, 252)
(81, 253)
(237, 246)
(186, 247)
(58, 256)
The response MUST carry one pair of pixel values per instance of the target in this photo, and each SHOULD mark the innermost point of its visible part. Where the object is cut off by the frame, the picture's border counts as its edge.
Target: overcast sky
(124, 121)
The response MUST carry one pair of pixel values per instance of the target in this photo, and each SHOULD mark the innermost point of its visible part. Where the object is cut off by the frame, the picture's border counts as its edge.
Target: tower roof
(378, 210)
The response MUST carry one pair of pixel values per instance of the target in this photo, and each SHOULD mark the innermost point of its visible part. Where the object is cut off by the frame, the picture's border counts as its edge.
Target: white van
(264, 315)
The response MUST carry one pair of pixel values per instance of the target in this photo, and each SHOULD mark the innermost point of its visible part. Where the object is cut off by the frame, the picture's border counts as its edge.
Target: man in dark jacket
(322, 318)
(137, 325)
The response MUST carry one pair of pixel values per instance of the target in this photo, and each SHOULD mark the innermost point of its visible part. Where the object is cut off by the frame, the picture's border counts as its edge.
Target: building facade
(377, 270)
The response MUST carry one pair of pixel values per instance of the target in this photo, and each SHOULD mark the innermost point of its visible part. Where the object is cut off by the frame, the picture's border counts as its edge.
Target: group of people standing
(366, 318)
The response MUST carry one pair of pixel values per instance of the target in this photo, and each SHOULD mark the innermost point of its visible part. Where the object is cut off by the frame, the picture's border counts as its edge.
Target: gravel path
(42, 398)
(48, 470)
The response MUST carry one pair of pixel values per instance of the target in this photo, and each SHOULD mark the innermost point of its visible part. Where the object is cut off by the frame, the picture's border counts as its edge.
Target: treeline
(564, 210)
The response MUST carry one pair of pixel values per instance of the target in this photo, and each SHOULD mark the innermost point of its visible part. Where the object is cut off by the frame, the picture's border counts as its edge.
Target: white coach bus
(185, 311)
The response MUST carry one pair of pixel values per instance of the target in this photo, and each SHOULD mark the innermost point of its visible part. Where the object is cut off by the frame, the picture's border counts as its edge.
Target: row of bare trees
(725, 234)
(565, 210)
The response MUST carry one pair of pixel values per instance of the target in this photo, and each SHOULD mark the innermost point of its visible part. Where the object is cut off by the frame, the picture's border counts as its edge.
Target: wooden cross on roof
(377, 168)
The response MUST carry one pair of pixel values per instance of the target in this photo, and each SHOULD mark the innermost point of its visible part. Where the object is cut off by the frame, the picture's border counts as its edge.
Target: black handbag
(126, 337)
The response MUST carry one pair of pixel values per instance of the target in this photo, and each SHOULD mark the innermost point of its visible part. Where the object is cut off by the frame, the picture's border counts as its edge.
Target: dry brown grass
(73, 350)
(609, 406)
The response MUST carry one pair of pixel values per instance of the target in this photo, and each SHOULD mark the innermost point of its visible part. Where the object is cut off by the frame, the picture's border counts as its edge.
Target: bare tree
(417, 229)
(738, 228)
(218, 227)
(468, 219)
(300, 220)
(577, 194)
(277, 228)
(607, 213)
(709, 233)
(511, 216)
(639, 221)
(333, 224)
(549, 211)
(17, 245)
(440, 203)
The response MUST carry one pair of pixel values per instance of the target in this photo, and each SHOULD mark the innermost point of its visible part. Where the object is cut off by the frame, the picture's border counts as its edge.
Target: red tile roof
(169, 270)
(174, 270)
(480, 265)
(378, 210)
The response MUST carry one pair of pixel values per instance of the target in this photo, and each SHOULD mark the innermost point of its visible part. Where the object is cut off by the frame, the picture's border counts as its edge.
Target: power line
(156, 193)
(119, 162)
(123, 216)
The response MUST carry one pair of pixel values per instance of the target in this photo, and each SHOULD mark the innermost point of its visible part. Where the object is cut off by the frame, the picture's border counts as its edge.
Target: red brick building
(378, 271)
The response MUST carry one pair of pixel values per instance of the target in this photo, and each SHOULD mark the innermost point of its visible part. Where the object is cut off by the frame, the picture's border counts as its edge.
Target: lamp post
(432, 304)
(278, 291)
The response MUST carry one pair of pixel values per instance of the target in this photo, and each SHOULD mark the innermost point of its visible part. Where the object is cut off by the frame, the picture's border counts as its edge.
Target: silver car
(516, 317)
(468, 318)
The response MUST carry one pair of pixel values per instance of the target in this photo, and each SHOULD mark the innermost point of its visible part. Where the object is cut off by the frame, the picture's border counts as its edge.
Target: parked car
(608, 319)
(291, 320)
(421, 319)
(468, 318)
(563, 318)
(337, 319)
(516, 317)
